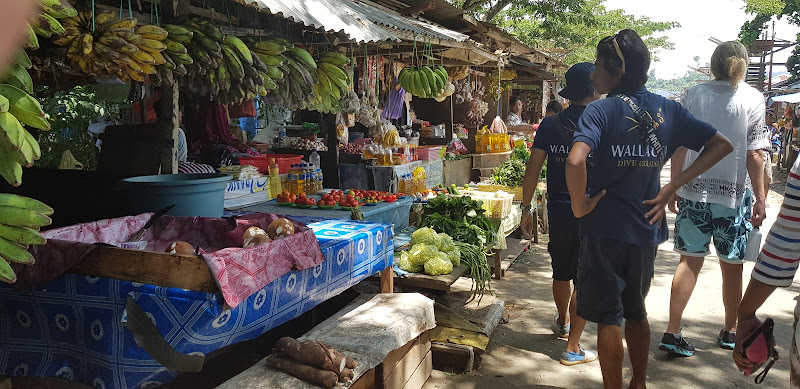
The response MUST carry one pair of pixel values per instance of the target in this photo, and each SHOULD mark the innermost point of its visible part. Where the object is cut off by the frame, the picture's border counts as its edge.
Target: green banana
(13, 131)
(175, 47)
(36, 150)
(269, 47)
(3, 104)
(271, 60)
(21, 235)
(239, 48)
(274, 72)
(23, 155)
(33, 41)
(59, 9)
(14, 253)
(235, 64)
(49, 24)
(18, 76)
(7, 274)
(10, 170)
(23, 60)
(24, 107)
(302, 56)
(22, 217)
(12, 200)
(335, 74)
(335, 58)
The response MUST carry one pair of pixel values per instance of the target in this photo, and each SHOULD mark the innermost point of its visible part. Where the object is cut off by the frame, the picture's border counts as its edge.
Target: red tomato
(292, 198)
(311, 201)
(301, 195)
(343, 203)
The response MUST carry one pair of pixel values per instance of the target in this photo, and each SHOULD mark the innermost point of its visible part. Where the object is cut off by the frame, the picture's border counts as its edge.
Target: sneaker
(726, 339)
(676, 346)
(558, 329)
(569, 358)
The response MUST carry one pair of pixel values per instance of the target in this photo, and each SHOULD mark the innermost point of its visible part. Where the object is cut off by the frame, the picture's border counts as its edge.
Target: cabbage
(425, 235)
(405, 264)
(446, 243)
(421, 253)
(439, 265)
(455, 257)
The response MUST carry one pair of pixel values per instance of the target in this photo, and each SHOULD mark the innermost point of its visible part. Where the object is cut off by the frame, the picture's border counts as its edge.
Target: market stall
(84, 327)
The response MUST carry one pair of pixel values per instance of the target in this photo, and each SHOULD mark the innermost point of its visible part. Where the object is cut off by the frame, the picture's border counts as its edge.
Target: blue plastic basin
(192, 194)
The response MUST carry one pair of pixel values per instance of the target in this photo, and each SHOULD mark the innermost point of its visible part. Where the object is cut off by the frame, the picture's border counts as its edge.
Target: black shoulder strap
(566, 134)
(647, 124)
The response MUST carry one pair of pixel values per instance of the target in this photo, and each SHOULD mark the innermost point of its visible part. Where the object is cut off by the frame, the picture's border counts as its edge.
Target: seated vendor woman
(514, 120)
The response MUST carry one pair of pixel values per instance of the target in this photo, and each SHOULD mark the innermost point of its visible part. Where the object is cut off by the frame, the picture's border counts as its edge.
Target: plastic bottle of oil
(274, 179)
(292, 178)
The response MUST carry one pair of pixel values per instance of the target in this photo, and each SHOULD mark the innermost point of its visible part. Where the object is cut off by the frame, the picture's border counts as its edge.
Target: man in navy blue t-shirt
(622, 216)
(553, 142)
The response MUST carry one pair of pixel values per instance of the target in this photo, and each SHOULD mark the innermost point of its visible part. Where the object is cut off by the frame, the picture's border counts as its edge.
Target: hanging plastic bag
(342, 132)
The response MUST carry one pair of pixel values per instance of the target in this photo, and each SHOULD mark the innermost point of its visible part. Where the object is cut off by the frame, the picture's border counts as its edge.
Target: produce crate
(489, 160)
(496, 205)
(517, 192)
(430, 152)
(284, 161)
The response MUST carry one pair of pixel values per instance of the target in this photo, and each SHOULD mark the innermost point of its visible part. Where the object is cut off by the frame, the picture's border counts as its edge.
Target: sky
(699, 19)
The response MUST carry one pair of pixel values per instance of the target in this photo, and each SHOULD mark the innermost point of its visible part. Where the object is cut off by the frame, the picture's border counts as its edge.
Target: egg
(180, 247)
(254, 236)
(280, 228)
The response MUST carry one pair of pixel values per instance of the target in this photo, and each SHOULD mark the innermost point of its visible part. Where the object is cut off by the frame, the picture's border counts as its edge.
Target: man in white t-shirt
(717, 204)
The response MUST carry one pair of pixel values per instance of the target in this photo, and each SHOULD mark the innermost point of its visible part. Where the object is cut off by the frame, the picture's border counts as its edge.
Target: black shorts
(613, 280)
(564, 245)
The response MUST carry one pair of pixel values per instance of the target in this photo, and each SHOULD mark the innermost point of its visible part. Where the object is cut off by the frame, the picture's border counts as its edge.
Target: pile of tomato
(303, 200)
(286, 197)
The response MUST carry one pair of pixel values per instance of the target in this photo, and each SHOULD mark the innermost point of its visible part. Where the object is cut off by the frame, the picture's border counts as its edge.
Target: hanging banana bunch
(109, 46)
(332, 88)
(20, 220)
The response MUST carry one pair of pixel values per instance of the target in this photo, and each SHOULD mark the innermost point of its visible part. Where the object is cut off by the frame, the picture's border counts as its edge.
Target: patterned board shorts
(698, 222)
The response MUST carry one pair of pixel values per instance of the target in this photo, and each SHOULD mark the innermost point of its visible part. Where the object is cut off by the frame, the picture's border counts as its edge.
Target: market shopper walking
(718, 203)
(630, 135)
(553, 142)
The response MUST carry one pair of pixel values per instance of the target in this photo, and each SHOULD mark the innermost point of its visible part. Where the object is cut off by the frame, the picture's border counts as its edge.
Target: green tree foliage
(70, 112)
(567, 29)
(688, 80)
(763, 11)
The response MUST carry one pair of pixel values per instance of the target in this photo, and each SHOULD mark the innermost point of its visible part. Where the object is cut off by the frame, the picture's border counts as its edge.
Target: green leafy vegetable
(462, 218)
(439, 265)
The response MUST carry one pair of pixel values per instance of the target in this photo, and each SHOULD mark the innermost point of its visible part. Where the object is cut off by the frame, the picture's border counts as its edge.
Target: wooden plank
(387, 280)
(395, 356)
(162, 269)
(452, 356)
(442, 282)
(421, 375)
(402, 374)
(367, 381)
(507, 257)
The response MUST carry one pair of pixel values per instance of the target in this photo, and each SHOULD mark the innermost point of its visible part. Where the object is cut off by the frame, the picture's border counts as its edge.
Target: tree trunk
(495, 9)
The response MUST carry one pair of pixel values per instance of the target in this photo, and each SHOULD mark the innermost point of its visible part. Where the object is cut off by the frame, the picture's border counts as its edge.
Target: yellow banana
(126, 23)
(158, 59)
(87, 43)
(152, 32)
(144, 57)
(152, 46)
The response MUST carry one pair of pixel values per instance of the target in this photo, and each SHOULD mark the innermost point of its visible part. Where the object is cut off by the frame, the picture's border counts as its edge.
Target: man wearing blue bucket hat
(553, 142)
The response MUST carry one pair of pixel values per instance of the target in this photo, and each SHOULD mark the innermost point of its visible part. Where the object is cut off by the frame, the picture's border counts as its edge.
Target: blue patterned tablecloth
(72, 327)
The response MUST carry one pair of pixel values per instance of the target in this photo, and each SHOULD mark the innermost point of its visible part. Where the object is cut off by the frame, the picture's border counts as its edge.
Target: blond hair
(729, 62)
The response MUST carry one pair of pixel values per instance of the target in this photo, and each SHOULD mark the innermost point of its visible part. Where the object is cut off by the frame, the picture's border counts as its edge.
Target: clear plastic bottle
(319, 179)
(274, 179)
(314, 160)
(753, 246)
(401, 184)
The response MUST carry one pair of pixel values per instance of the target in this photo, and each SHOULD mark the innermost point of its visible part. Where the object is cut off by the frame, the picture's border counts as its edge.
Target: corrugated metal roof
(391, 20)
(341, 16)
(360, 21)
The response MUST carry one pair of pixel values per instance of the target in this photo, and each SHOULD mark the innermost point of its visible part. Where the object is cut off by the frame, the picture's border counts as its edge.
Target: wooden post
(330, 160)
(387, 280)
(498, 271)
(169, 122)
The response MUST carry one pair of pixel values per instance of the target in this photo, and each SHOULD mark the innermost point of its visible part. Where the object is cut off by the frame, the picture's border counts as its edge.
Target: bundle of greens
(512, 171)
(480, 271)
(462, 218)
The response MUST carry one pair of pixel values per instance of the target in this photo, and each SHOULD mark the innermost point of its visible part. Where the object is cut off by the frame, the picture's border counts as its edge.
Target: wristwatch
(526, 208)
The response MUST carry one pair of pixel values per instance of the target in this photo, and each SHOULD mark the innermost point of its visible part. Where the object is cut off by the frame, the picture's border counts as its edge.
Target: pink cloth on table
(240, 272)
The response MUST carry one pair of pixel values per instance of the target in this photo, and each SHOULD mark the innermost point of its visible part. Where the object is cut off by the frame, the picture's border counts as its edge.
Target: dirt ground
(524, 353)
